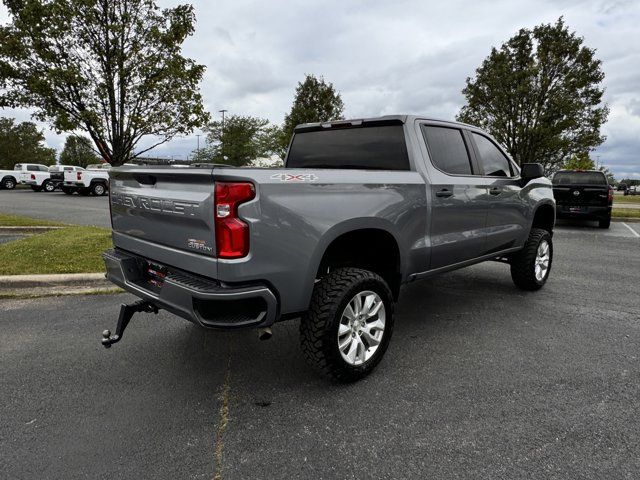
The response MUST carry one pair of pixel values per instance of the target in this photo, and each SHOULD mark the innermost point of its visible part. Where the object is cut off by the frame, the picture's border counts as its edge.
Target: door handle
(495, 191)
(444, 193)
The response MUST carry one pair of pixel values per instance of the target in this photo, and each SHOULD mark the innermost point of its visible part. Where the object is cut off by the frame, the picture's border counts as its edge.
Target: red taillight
(33, 176)
(610, 199)
(79, 175)
(232, 234)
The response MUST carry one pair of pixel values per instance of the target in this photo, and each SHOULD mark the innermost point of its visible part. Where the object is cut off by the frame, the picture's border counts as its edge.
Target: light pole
(223, 111)
(198, 136)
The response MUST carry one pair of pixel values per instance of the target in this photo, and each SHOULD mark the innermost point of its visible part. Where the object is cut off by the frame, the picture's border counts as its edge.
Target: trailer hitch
(126, 312)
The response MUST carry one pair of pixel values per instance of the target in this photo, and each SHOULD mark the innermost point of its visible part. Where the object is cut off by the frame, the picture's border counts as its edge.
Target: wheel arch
(359, 243)
(544, 217)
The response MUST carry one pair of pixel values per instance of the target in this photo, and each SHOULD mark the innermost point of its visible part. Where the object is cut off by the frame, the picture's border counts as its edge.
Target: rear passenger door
(458, 196)
(506, 221)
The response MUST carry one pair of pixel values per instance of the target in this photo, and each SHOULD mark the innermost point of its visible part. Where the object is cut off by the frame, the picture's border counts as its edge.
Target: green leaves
(112, 68)
(22, 143)
(78, 151)
(315, 101)
(540, 95)
(243, 140)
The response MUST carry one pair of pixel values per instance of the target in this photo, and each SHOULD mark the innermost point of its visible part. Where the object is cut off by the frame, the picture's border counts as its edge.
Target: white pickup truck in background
(9, 179)
(57, 173)
(94, 180)
(36, 176)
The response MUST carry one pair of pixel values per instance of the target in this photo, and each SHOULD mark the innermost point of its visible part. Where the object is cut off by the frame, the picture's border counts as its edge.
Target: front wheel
(48, 186)
(530, 266)
(348, 326)
(9, 183)
(98, 189)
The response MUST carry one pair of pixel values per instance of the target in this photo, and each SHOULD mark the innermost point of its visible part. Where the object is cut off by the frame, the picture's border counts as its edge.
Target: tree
(78, 151)
(315, 101)
(539, 95)
(581, 161)
(22, 143)
(243, 140)
(112, 68)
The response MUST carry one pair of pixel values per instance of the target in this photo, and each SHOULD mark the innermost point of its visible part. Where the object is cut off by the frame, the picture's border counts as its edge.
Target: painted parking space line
(636, 234)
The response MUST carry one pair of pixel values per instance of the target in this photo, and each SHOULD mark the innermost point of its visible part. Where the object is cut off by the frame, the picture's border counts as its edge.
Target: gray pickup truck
(361, 208)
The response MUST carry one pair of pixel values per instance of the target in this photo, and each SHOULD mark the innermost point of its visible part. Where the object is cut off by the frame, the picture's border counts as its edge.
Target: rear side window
(579, 178)
(447, 149)
(18, 166)
(32, 168)
(371, 148)
(493, 161)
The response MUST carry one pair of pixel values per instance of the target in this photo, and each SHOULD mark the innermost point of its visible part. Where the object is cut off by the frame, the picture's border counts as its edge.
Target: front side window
(492, 160)
(447, 149)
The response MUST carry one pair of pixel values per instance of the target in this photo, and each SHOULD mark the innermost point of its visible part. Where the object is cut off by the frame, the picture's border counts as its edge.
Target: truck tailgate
(581, 195)
(165, 206)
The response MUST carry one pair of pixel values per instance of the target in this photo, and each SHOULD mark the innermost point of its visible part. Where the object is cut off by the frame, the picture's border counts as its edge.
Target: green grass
(68, 250)
(8, 220)
(626, 212)
(627, 199)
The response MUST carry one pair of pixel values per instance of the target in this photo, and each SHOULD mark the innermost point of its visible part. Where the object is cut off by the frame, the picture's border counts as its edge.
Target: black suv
(584, 194)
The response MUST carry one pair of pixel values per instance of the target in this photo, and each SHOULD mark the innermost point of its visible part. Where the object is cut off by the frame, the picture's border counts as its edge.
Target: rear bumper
(587, 213)
(202, 301)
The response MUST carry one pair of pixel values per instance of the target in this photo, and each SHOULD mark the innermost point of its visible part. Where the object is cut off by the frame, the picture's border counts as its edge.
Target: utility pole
(198, 136)
(223, 111)
(597, 162)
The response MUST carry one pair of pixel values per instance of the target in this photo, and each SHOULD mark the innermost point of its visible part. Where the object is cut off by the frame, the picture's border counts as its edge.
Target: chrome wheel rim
(49, 187)
(543, 259)
(8, 184)
(98, 189)
(361, 327)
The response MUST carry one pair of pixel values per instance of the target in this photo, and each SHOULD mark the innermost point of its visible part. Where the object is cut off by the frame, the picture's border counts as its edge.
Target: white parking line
(637, 235)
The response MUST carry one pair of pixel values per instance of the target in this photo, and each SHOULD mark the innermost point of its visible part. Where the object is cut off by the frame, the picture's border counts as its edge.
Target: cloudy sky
(401, 56)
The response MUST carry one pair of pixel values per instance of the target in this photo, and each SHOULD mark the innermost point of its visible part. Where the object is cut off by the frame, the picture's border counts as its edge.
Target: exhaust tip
(265, 333)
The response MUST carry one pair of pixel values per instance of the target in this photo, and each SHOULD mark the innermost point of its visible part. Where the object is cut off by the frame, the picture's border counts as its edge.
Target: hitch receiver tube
(126, 312)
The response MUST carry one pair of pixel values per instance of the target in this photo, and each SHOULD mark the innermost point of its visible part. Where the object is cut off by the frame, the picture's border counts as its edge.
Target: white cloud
(406, 56)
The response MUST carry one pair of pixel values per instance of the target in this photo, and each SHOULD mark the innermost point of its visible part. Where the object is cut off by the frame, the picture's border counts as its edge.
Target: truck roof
(385, 119)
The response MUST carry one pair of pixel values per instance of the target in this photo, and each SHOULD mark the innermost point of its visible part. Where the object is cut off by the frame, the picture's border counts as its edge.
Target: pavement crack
(223, 419)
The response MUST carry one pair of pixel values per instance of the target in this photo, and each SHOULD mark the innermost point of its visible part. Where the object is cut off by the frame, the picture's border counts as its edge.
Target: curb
(26, 230)
(625, 219)
(17, 282)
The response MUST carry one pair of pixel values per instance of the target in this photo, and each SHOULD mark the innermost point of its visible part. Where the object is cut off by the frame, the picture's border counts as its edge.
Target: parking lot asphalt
(480, 381)
(56, 206)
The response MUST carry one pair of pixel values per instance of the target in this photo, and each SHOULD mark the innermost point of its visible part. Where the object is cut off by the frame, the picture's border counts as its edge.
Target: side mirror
(529, 171)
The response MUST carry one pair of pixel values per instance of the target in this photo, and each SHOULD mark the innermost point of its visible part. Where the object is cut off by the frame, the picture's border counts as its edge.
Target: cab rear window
(579, 178)
(370, 148)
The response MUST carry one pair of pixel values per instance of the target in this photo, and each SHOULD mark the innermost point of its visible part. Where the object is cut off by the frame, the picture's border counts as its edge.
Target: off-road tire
(48, 186)
(604, 223)
(319, 325)
(8, 183)
(523, 262)
(35, 188)
(98, 189)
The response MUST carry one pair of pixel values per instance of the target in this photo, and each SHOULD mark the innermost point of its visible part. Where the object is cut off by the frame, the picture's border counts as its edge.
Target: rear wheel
(48, 186)
(605, 222)
(35, 188)
(530, 267)
(98, 189)
(9, 183)
(347, 329)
